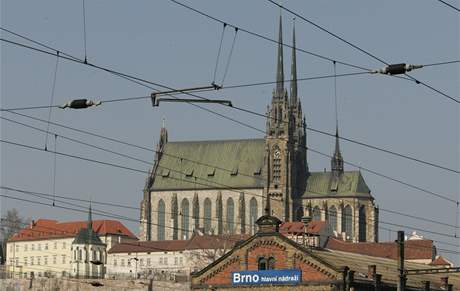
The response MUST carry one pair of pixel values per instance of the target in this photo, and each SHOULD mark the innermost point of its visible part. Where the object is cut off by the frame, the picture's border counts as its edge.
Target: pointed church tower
(285, 140)
(337, 160)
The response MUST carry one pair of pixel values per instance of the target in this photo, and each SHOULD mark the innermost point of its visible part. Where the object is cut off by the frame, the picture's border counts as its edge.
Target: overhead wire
(227, 66)
(359, 48)
(218, 53)
(194, 182)
(449, 5)
(111, 215)
(265, 116)
(53, 87)
(313, 150)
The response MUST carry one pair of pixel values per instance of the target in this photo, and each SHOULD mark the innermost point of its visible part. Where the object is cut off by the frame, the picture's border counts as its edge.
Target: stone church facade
(221, 186)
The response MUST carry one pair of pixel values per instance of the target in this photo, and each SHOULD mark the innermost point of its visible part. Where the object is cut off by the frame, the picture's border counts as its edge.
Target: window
(46, 246)
(63, 245)
(266, 264)
(79, 255)
(207, 215)
(333, 218)
(148, 262)
(54, 259)
(38, 261)
(185, 216)
(347, 226)
(17, 248)
(141, 262)
(276, 165)
(161, 260)
(25, 247)
(25, 261)
(362, 223)
(115, 262)
(31, 261)
(176, 260)
(32, 247)
(129, 262)
(196, 211)
(39, 247)
(181, 261)
(122, 262)
(55, 245)
(316, 213)
(253, 215)
(161, 220)
(45, 260)
(165, 260)
(230, 216)
(63, 259)
(262, 263)
(17, 261)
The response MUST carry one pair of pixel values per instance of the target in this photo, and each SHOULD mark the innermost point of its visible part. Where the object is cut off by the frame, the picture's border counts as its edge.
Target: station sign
(290, 276)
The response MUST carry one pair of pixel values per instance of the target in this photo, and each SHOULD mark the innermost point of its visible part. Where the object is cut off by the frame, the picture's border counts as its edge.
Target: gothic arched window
(185, 212)
(332, 218)
(347, 218)
(230, 215)
(316, 213)
(219, 213)
(253, 214)
(207, 215)
(196, 211)
(362, 223)
(161, 220)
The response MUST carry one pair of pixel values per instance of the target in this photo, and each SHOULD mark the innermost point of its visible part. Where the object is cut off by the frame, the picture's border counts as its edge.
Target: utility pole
(402, 274)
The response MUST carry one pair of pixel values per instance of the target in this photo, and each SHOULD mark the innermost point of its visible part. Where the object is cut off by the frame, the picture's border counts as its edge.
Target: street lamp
(397, 69)
(80, 104)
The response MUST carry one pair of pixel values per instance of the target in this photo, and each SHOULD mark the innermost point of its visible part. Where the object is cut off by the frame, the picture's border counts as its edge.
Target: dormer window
(234, 171)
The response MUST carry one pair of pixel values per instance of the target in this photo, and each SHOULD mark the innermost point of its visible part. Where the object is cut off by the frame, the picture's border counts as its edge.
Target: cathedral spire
(293, 71)
(337, 160)
(279, 68)
(90, 218)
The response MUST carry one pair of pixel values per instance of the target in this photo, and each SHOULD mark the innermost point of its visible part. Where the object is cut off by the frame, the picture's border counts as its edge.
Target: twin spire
(337, 159)
(280, 66)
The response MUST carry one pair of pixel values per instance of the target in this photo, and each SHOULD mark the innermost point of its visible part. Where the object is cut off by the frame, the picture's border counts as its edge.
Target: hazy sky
(165, 43)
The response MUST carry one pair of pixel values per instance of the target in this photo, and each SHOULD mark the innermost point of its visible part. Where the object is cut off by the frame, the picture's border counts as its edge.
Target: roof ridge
(216, 140)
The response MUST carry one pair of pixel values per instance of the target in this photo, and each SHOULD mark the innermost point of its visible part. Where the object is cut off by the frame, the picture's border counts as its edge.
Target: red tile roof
(414, 249)
(441, 261)
(196, 242)
(48, 229)
(297, 227)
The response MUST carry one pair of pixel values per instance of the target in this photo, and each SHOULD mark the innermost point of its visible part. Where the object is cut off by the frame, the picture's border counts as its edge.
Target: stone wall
(57, 284)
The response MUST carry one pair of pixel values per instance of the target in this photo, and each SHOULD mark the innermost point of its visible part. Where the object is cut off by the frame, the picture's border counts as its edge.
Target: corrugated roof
(243, 157)
(350, 183)
(414, 249)
(49, 229)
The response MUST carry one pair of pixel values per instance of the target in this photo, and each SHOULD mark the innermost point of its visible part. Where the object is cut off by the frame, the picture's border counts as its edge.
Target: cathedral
(224, 186)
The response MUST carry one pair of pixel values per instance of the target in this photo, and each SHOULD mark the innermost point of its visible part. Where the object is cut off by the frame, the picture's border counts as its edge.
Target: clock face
(277, 153)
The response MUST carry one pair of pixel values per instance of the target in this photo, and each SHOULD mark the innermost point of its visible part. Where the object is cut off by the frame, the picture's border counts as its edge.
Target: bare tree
(204, 256)
(9, 225)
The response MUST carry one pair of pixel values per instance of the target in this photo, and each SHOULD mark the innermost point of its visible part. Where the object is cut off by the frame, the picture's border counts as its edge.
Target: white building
(167, 258)
(45, 247)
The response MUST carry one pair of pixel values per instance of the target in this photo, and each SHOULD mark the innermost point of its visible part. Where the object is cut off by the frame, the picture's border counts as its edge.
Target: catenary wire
(449, 5)
(313, 150)
(360, 49)
(265, 116)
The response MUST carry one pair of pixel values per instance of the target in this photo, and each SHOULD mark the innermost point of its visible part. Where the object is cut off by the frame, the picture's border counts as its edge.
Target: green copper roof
(320, 184)
(242, 159)
(87, 236)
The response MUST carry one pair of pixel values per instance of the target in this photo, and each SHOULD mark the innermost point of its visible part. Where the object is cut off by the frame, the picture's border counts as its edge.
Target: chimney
(371, 271)
(444, 282)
